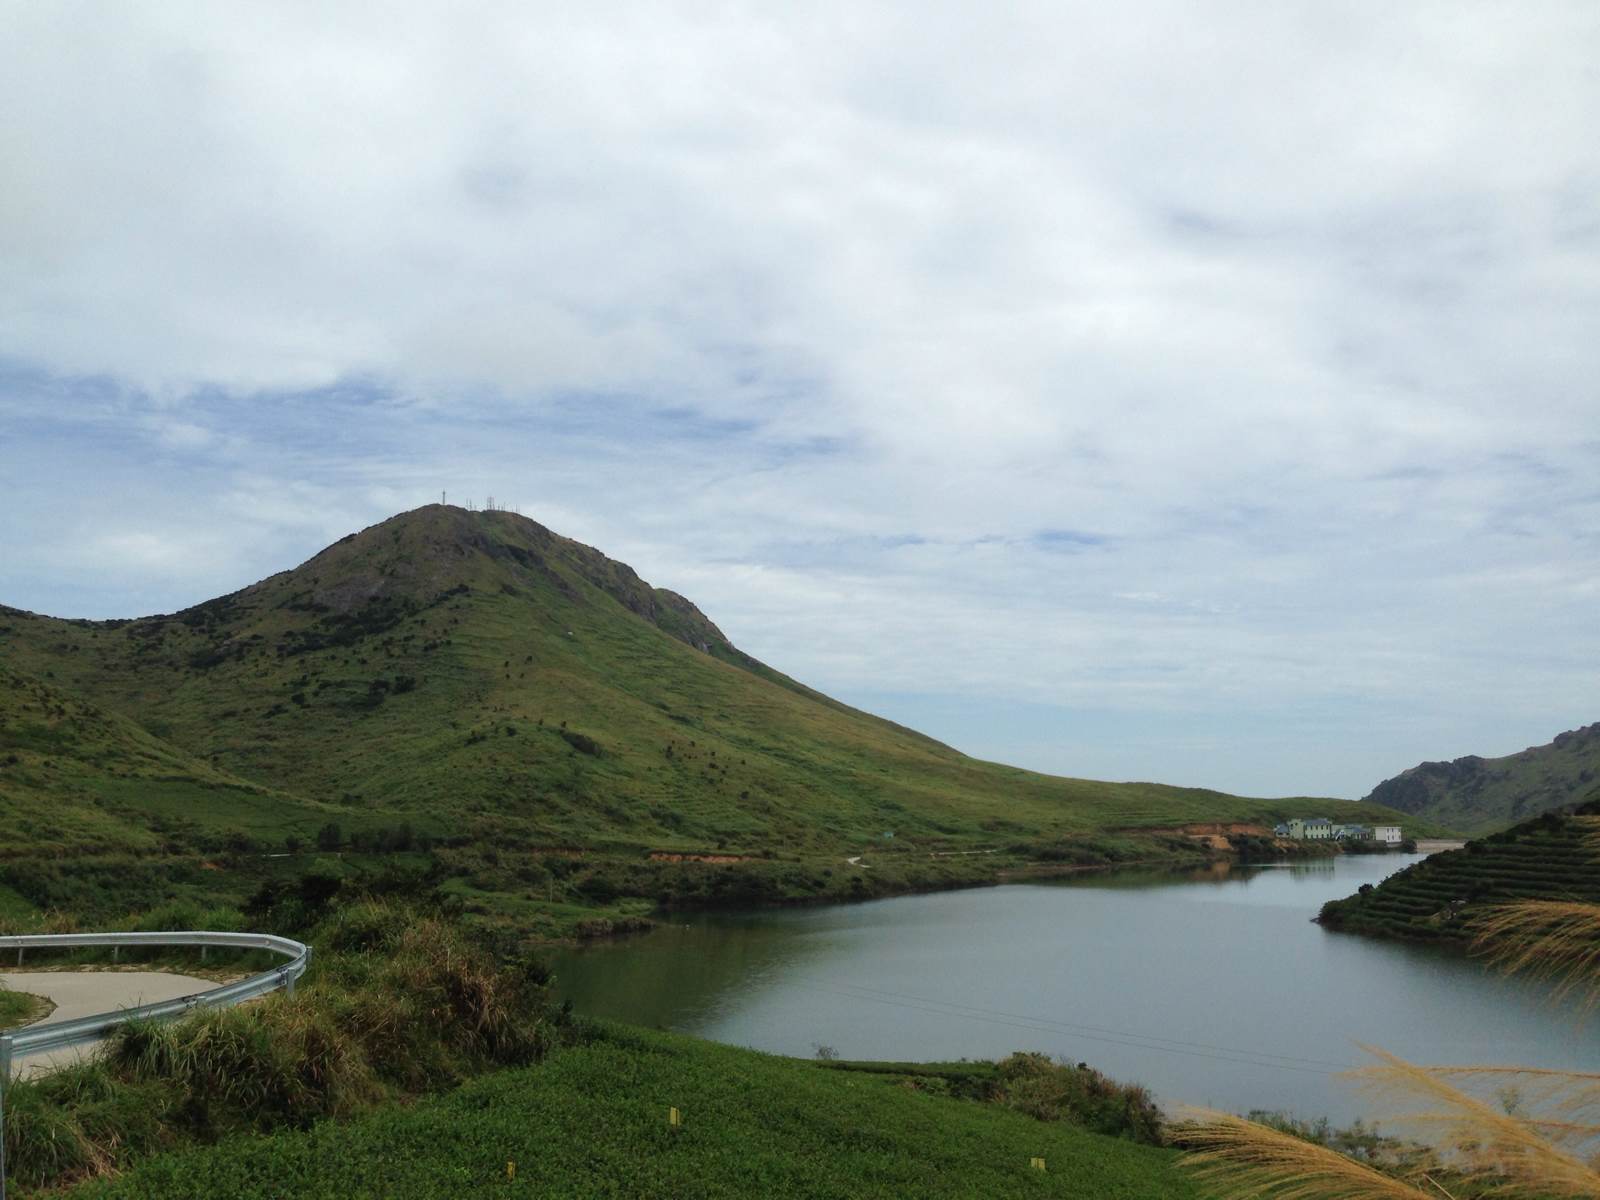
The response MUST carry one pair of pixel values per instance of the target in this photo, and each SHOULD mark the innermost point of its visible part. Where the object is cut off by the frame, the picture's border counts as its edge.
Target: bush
(1050, 1091)
(581, 742)
(364, 925)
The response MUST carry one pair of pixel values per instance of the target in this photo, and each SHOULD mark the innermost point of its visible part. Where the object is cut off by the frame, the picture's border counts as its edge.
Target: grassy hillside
(1551, 857)
(448, 664)
(1478, 795)
(74, 776)
(592, 1121)
(473, 680)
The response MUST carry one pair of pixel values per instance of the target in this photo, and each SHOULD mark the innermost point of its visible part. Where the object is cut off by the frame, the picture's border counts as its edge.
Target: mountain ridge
(1476, 794)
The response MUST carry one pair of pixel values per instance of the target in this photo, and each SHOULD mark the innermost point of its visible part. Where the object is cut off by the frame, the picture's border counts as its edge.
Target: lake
(1209, 987)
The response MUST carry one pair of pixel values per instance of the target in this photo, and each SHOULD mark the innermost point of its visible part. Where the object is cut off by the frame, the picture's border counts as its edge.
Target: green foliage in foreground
(1031, 1083)
(398, 1004)
(592, 1121)
(1437, 899)
(21, 1008)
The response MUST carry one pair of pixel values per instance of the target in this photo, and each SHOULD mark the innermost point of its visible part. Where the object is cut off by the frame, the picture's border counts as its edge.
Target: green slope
(1476, 795)
(473, 674)
(1551, 857)
(592, 1121)
(75, 777)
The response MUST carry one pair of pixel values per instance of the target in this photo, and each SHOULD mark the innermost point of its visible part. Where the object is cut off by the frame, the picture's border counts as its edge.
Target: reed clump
(1554, 940)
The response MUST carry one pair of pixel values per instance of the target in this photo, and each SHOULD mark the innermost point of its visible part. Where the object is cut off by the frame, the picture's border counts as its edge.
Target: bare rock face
(1417, 789)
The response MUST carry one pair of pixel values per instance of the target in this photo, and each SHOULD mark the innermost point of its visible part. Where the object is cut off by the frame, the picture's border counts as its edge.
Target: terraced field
(1553, 857)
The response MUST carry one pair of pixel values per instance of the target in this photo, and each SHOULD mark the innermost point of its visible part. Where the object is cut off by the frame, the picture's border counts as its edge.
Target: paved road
(85, 993)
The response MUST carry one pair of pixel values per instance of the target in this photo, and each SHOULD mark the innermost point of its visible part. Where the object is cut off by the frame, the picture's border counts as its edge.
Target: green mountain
(1551, 857)
(1476, 795)
(75, 777)
(474, 676)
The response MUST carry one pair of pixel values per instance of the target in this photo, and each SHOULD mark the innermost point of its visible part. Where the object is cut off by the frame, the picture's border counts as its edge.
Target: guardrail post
(5, 1078)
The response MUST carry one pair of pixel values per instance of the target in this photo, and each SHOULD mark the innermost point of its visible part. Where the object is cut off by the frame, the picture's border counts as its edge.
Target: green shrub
(1051, 1091)
(581, 742)
(363, 925)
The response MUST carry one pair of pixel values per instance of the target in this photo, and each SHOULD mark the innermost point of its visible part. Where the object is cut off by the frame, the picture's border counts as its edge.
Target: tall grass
(1245, 1159)
(397, 1005)
(1555, 940)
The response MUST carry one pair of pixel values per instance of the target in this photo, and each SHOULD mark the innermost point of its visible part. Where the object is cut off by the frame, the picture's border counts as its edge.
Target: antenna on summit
(441, 498)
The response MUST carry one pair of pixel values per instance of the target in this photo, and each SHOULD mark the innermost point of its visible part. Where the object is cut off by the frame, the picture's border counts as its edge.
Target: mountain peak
(417, 556)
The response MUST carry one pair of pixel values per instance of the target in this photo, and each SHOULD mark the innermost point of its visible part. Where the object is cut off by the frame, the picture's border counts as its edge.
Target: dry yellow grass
(1243, 1160)
(1507, 1141)
(1557, 940)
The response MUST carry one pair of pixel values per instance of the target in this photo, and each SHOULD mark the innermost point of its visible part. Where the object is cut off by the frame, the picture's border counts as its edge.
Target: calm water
(1212, 989)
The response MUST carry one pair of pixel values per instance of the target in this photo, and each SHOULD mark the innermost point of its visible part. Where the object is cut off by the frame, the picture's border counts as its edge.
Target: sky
(1207, 393)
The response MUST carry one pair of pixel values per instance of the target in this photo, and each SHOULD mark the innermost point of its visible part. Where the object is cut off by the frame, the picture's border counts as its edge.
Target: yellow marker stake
(674, 1117)
(511, 1170)
(1036, 1163)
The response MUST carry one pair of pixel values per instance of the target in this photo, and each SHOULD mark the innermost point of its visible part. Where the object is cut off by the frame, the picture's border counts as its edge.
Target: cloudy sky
(1206, 392)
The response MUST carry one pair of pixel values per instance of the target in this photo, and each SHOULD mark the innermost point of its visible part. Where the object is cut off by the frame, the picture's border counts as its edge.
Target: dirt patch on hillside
(1202, 829)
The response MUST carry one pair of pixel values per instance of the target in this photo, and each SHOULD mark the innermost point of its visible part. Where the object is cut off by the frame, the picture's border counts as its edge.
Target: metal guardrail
(64, 1035)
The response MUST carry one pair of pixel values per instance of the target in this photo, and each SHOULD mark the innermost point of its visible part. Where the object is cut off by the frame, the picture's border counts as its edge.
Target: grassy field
(21, 1008)
(1549, 858)
(593, 1121)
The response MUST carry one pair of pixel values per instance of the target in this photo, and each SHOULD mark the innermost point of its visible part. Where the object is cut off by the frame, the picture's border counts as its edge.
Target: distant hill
(1552, 857)
(1476, 795)
(473, 674)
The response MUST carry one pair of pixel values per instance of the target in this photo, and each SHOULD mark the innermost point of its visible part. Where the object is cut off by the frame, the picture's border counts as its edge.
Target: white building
(1387, 834)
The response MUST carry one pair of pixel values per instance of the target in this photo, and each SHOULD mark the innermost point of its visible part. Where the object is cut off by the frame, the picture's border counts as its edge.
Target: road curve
(87, 993)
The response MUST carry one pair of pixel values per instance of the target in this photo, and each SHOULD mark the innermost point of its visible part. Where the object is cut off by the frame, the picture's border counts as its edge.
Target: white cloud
(1291, 307)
